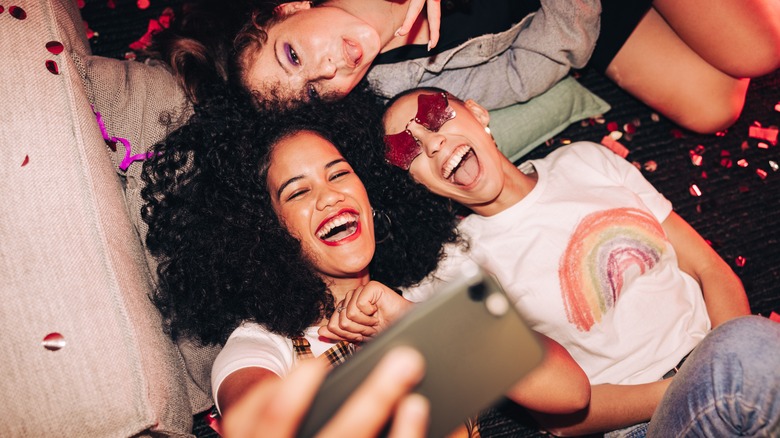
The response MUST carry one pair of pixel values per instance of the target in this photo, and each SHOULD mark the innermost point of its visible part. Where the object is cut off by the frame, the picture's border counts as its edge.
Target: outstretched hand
(434, 19)
(365, 312)
(276, 408)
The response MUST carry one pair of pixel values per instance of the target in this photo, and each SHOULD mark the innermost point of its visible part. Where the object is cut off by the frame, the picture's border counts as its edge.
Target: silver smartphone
(475, 345)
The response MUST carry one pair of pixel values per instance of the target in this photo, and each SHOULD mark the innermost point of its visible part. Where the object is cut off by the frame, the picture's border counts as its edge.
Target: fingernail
(404, 362)
(398, 32)
(429, 45)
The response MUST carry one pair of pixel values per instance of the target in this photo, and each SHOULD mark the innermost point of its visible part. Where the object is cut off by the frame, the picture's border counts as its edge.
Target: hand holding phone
(474, 343)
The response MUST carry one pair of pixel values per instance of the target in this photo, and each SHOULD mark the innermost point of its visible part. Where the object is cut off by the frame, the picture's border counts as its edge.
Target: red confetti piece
(52, 67)
(615, 146)
(53, 341)
(742, 163)
(704, 174)
(740, 261)
(612, 126)
(721, 133)
(650, 166)
(768, 134)
(694, 190)
(81, 4)
(152, 28)
(629, 128)
(111, 4)
(17, 12)
(26, 160)
(55, 47)
(89, 32)
(743, 188)
(699, 149)
(143, 4)
(726, 162)
(676, 133)
(744, 146)
(166, 17)
(696, 159)
(2, 9)
(774, 316)
(761, 173)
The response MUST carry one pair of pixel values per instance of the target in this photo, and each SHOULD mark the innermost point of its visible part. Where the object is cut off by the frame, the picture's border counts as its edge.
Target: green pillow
(519, 128)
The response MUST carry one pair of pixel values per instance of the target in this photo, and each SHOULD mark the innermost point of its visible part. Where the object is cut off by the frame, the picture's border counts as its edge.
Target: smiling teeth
(454, 161)
(337, 221)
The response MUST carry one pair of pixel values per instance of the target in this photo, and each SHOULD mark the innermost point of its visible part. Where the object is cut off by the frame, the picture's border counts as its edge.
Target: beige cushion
(70, 259)
(139, 104)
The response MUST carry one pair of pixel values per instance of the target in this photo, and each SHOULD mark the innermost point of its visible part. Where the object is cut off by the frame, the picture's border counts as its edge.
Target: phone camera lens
(477, 292)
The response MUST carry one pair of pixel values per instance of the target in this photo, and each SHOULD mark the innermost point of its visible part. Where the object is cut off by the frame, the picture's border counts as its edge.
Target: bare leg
(687, 58)
(739, 37)
(660, 69)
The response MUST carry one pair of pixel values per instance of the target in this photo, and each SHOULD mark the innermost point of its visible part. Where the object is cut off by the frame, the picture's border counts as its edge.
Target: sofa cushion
(136, 105)
(84, 347)
(520, 128)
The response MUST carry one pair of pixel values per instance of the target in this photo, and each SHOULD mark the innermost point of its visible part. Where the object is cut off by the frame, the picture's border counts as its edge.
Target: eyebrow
(300, 177)
(276, 56)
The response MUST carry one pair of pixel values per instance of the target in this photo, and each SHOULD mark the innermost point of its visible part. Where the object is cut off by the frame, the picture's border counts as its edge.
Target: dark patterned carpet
(736, 207)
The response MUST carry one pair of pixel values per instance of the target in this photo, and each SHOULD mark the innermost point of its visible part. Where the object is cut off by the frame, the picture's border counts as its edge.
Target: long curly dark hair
(224, 257)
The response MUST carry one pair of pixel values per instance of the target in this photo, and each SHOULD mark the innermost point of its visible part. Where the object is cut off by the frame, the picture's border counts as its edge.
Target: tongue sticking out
(467, 170)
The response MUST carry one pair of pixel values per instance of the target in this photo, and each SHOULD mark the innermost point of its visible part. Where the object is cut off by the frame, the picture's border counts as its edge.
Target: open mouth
(463, 166)
(339, 227)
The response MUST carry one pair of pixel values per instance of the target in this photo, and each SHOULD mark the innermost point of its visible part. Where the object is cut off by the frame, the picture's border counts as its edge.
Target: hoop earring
(382, 226)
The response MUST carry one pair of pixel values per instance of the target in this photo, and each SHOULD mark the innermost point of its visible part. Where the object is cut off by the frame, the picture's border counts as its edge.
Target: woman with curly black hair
(261, 226)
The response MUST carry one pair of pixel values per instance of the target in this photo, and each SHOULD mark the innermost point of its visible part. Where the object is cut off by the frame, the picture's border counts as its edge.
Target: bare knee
(707, 116)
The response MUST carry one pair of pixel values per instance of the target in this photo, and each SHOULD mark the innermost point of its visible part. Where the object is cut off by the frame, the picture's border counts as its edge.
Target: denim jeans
(729, 386)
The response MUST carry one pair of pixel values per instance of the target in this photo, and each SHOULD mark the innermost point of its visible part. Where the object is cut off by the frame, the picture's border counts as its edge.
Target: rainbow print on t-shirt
(604, 246)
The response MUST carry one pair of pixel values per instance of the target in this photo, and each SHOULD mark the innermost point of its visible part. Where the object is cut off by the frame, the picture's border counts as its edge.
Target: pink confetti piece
(650, 166)
(774, 317)
(694, 190)
(143, 4)
(762, 145)
(26, 160)
(17, 12)
(768, 134)
(777, 107)
(742, 163)
(761, 173)
(740, 261)
(55, 47)
(129, 158)
(696, 159)
(615, 146)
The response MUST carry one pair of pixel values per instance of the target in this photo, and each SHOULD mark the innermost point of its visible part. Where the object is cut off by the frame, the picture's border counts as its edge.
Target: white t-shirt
(252, 345)
(585, 260)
